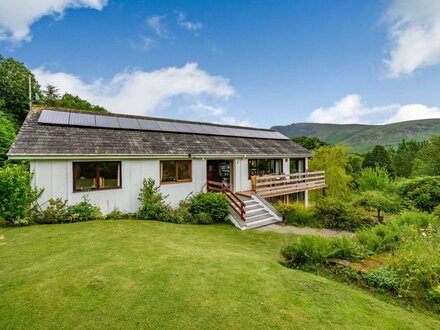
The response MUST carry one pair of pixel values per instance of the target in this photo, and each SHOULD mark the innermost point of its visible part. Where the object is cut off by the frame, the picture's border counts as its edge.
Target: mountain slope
(362, 138)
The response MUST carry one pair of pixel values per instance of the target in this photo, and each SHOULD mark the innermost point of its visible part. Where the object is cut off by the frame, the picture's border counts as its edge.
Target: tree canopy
(309, 142)
(334, 161)
(427, 161)
(14, 88)
(379, 157)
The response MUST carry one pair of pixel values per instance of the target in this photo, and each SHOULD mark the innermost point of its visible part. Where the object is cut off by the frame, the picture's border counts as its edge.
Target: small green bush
(422, 193)
(17, 197)
(181, 214)
(383, 278)
(153, 206)
(55, 212)
(82, 211)
(308, 250)
(203, 218)
(375, 179)
(437, 211)
(336, 214)
(379, 201)
(296, 214)
(117, 214)
(211, 203)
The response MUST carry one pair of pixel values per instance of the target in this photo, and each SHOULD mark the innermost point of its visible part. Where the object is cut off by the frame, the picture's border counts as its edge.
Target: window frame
(176, 170)
(266, 160)
(97, 170)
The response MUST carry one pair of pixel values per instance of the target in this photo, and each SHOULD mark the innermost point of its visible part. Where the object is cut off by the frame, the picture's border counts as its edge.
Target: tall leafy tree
(309, 142)
(427, 161)
(334, 161)
(404, 156)
(379, 157)
(14, 88)
(7, 133)
(51, 95)
(75, 102)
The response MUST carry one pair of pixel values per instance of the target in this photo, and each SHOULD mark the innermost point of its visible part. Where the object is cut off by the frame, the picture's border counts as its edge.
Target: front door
(220, 171)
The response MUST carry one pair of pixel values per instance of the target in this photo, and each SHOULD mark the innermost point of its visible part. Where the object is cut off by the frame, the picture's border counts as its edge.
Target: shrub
(153, 206)
(380, 201)
(296, 213)
(82, 211)
(117, 214)
(375, 179)
(55, 212)
(336, 214)
(437, 211)
(422, 193)
(203, 218)
(181, 214)
(211, 203)
(383, 278)
(308, 250)
(17, 197)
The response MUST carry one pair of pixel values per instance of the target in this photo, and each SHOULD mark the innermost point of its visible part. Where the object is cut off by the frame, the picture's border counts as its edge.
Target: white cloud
(143, 43)
(351, 110)
(215, 114)
(17, 16)
(140, 92)
(414, 31)
(157, 23)
(186, 24)
(206, 109)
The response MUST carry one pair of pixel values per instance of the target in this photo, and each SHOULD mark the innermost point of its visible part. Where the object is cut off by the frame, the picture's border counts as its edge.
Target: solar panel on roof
(129, 123)
(82, 119)
(54, 117)
(106, 121)
(182, 127)
(148, 125)
(199, 129)
(167, 126)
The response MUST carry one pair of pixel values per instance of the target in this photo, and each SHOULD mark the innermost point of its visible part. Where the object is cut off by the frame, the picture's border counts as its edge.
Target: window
(296, 165)
(175, 171)
(96, 175)
(264, 166)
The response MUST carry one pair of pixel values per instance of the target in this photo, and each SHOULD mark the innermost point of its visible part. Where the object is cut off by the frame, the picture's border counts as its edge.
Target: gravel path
(306, 231)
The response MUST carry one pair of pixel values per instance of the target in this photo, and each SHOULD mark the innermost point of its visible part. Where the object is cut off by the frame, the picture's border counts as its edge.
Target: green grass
(145, 274)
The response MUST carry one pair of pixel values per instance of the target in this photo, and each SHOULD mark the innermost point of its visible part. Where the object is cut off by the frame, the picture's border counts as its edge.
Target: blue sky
(258, 63)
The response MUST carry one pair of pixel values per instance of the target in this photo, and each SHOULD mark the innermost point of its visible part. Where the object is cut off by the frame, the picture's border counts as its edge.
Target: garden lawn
(145, 274)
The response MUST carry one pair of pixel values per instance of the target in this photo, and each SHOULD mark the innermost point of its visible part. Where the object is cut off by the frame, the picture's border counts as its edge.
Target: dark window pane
(184, 170)
(85, 176)
(109, 175)
(168, 171)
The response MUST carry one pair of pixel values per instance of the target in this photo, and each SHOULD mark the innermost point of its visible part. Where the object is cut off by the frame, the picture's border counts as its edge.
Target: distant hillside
(363, 138)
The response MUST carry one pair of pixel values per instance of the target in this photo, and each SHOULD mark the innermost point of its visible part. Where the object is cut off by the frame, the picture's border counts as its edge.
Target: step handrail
(233, 200)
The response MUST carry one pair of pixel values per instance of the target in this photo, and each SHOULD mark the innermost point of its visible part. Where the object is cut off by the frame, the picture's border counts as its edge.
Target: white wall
(56, 177)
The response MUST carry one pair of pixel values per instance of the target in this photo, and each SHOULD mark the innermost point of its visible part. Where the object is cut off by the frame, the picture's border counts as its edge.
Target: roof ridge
(110, 114)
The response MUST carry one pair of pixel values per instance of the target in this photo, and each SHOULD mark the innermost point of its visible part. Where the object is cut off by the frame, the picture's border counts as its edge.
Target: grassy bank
(144, 274)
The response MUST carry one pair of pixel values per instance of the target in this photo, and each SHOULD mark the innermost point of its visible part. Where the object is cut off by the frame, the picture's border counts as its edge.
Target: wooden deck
(285, 184)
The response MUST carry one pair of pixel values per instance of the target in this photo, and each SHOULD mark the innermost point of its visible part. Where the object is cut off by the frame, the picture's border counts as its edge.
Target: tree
(380, 201)
(375, 179)
(354, 168)
(7, 133)
(309, 143)
(404, 156)
(379, 157)
(14, 88)
(334, 161)
(75, 102)
(51, 95)
(427, 161)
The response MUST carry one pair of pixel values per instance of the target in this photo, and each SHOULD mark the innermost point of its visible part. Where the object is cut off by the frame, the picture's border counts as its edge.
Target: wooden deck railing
(283, 184)
(233, 200)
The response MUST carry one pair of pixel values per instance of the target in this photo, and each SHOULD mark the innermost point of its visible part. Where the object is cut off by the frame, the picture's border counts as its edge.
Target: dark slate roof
(37, 140)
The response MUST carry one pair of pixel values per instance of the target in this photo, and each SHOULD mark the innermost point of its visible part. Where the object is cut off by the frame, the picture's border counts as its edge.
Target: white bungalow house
(106, 156)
